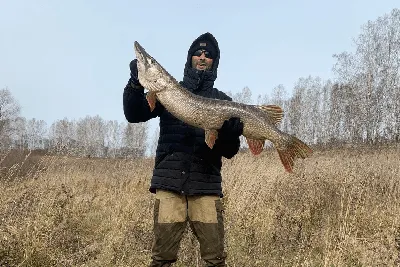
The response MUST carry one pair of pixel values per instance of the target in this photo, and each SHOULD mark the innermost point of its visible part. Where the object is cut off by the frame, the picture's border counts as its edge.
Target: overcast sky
(70, 58)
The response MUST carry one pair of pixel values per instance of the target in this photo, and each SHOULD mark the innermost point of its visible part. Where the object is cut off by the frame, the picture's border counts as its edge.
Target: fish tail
(295, 149)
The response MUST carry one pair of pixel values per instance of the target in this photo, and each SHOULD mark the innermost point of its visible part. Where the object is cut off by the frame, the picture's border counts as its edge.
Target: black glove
(232, 128)
(134, 80)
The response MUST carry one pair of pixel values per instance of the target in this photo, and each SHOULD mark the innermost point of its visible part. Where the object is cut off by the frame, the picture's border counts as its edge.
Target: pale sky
(70, 58)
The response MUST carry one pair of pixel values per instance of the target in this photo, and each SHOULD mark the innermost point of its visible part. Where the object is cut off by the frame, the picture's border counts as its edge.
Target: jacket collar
(196, 80)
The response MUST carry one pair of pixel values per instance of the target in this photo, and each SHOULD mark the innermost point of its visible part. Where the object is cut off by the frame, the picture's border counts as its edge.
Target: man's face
(202, 60)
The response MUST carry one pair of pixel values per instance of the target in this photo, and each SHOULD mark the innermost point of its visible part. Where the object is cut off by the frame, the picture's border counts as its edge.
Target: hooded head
(206, 42)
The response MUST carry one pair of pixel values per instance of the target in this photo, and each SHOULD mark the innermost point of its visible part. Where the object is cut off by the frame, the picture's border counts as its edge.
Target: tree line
(360, 105)
(90, 136)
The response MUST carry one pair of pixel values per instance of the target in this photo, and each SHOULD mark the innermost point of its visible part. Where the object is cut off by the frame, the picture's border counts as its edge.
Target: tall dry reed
(340, 208)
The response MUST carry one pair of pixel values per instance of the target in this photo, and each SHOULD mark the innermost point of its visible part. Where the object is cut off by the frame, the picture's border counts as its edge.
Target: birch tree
(244, 97)
(135, 139)
(279, 97)
(154, 141)
(325, 128)
(91, 136)
(9, 112)
(36, 133)
(371, 77)
(296, 110)
(20, 135)
(63, 136)
(113, 137)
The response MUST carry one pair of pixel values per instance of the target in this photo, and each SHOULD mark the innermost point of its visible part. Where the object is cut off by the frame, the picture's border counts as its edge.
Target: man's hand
(134, 80)
(232, 128)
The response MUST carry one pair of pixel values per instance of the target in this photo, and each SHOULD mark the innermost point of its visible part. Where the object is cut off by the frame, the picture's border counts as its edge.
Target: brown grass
(340, 208)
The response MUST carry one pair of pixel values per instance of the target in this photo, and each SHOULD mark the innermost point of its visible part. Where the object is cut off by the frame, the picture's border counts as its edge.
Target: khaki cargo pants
(171, 214)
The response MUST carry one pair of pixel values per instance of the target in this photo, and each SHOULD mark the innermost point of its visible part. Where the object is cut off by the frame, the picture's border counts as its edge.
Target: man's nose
(202, 55)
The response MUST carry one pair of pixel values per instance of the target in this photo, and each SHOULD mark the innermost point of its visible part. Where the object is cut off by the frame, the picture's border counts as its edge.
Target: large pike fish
(259, 121)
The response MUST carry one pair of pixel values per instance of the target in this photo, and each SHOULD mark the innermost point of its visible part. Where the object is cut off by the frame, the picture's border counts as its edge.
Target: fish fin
(274, 111)
(211, 136)
(256, 146)
(295, 149)
(151, 99)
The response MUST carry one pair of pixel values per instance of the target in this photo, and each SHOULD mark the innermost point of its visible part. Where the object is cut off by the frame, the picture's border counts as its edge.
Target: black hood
(209, 37)
(196, 79)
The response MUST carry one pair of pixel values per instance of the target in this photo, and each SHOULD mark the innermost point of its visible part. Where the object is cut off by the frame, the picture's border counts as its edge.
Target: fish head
(151, 74)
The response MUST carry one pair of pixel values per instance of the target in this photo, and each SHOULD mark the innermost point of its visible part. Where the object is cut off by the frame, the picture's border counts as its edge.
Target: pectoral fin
(211, 137)
(151, 99)
(255, 146)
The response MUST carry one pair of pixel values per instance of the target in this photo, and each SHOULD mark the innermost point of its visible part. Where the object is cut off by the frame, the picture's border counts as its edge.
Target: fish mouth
(141, 54)
(144, 58)
(148, 65)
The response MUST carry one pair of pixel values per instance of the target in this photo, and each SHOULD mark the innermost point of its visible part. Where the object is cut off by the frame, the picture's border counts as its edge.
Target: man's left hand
(232, 127)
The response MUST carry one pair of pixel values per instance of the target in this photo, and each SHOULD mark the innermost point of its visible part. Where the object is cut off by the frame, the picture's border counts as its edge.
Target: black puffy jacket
(184, 163)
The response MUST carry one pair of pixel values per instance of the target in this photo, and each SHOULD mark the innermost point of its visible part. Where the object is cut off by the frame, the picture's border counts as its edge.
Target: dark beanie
(207, 45)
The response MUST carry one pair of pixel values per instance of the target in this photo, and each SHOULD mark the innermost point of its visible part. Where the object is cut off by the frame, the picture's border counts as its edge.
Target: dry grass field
(340, 208)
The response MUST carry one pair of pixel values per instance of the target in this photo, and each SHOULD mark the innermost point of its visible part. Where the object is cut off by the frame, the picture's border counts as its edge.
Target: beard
(201, 64)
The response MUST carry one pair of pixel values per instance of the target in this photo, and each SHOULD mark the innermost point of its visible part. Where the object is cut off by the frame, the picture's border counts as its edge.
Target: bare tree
(134, 139)
(63, 136)
(304, 109)
(9, 111)
(325, 129)
(113, 137)
(244, 96)
(36, 133)
(19, 136)
(369, 80)
(91, 136)
(296, 110)
(313, 109)
(154, 141)
(279, 97)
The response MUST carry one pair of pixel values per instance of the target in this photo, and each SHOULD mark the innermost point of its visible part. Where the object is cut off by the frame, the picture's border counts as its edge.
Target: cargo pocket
(172, 208)
(203, 209)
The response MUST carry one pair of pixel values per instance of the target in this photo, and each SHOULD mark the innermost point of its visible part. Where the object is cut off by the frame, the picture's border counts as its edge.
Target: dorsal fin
(274, 111)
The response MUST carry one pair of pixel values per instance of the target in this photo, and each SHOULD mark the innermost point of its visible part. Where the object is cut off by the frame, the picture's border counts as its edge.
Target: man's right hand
(134, 80)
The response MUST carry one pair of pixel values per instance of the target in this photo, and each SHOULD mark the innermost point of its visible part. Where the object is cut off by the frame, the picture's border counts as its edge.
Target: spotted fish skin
(259, 121)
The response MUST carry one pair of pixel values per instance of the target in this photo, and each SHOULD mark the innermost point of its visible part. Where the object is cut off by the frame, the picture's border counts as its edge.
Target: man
(187, 173)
